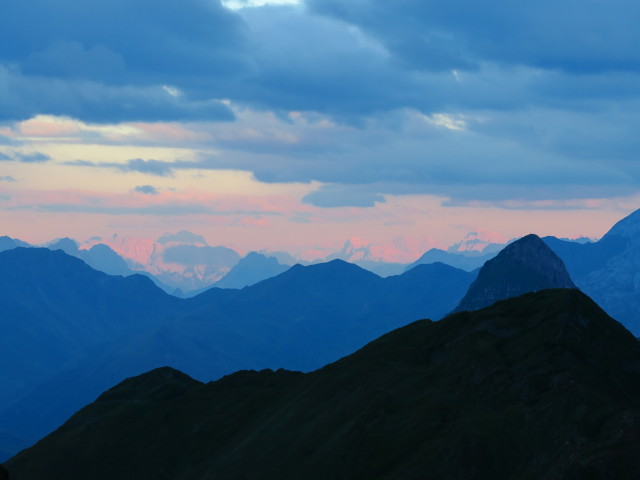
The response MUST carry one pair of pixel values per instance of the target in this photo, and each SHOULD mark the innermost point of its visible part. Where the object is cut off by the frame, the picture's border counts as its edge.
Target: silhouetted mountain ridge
(541, 386)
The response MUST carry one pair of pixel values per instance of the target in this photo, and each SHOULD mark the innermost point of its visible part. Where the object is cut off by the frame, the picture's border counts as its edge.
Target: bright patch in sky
(239, 4)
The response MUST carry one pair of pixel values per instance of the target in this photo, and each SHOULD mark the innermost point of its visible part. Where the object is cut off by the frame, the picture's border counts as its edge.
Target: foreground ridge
(545, 385)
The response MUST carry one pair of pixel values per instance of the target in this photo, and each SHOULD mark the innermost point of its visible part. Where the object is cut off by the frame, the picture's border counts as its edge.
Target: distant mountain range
(541, 386)
(75, 339)
(70, 332)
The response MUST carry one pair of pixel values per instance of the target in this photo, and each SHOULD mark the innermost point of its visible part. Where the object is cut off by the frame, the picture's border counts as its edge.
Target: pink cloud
(254, 222)
(48, 127)
(168, 132)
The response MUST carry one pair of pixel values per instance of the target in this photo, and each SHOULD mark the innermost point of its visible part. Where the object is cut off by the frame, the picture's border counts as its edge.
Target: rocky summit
(526, 265)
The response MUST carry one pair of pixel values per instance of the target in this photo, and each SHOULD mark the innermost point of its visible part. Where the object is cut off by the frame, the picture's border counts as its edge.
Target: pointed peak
(526, 265)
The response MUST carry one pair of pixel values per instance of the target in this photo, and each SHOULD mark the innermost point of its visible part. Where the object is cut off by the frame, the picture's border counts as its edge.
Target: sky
(296, 124)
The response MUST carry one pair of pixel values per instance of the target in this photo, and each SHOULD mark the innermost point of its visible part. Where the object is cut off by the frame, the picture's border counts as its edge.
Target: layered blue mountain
(55, 309)
(608, 270)
(526, 265)
(251, 269)
(71, 331)
(100, 256)
(8, 243)
(543, 386)
(458, 260)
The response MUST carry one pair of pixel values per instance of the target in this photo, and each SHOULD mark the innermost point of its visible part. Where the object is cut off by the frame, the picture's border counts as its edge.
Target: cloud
(146, 189)
(7, 178)
(149, 167)
(33, 157)
(25, 96)
(330, 196)
(118, 210)
(4, 140)
(348, 60)
(95, 44)
(584, 37)
(494, 101)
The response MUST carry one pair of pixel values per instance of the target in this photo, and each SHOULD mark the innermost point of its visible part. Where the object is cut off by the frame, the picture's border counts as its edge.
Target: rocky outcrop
(526, 265)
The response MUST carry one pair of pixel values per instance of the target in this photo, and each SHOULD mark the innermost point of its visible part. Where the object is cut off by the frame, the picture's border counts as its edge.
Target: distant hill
(526, 265)
(99, 256)
(251, 269)
(543, 386)
(180, 261)
(463, 261)
(8, 243)
(301, 319)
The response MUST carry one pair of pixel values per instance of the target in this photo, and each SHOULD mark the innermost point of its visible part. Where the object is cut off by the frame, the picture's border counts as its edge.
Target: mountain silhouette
(545, 385)
(526, 265)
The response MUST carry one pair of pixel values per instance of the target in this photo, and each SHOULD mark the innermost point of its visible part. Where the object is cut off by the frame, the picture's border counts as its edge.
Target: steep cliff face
(527, 265)
(616, 284)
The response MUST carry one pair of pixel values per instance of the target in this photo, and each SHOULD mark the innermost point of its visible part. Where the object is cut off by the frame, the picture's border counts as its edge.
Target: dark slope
(526, 265)
(301, 319)
(544, 386)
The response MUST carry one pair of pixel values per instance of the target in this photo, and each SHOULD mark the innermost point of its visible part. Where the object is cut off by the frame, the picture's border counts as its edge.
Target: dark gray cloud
(583, 37)
(90, 64)
(121, 41)
(25, 96)
(146, 189)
